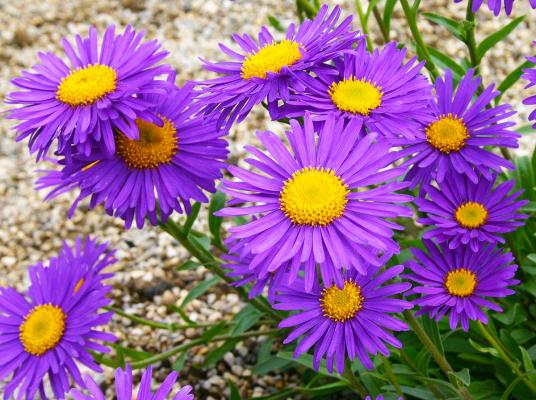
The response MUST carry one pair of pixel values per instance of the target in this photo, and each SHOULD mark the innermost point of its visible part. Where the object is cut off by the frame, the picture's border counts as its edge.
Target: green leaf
(526, 129)
(430, 326)
(216, 355)
(270, 365)
(510, 81)
(188, 265)
(213, 331)
(450, 24)
(235, 394)
(305, 360)
(527, 362)
(200, 289)
(191, 218)
(179, 362)
(463, 376)
(246, 318)
(326, 389)
(217, 202)
(444, 61)
(497, 36)
(388, 13)
(275, 23)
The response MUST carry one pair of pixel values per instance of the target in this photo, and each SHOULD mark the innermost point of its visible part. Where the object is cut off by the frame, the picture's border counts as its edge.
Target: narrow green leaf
(191, 218)
(217, 202)
(188, 265)
(388, 13)
(235, 394)
(497, 36)
(213, 331)
(200, 289)
(246, 318)
(525, 129)
(305, 360)
(450, 24)
(271, 364)
(527, 362)
(275, 23)
(179, 362)
(216, 355)
(444, 62)
(510, 81)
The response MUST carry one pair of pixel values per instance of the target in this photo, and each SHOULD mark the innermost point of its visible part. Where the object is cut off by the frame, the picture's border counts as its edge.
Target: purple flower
(169, 163)
(53, 327)
(239, 268)
(460, 129)
(351, 321)
(496, 5)
(267, 69)
(458, 281)
(470, 213)
(377, 89)
(529, 74)
(123, 387)
(100, 91)
(314, 205)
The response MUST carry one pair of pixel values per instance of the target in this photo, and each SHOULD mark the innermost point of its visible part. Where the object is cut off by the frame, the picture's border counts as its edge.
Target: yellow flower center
(42, 329)
(471, 215)
(357, 96)
(271, 58)
(313, 196)
(460, 282)
(85, 86)
(447, 134)
(79, 285)
(342, 304)
(156, 145)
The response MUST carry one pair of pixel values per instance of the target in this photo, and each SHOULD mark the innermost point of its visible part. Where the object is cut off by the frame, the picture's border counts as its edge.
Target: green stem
(497, 345)
(179, 349)
(355, 384)
(471, 40)
(422, 50)
(379, 21)
(210, 262)
(436, 354)
(156, 324)
(392, 377)
(364, 24)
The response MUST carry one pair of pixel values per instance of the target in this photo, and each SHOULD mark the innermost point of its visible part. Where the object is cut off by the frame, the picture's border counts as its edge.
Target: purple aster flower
(239, 268)
(82, 103)
(123, 387)
(470, 213)
(529, 74)
(458, 281)
(314, 204)
(53, 327)
(169, 163)
(268, 68)
(377, 89)
(380, 397)
(496, 5)
(460, 129)
(352, 321)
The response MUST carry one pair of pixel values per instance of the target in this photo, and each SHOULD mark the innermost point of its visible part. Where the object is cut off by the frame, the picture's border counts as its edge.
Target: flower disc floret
(314, 196)
(86, 85)
(42, 329)
(271, 58)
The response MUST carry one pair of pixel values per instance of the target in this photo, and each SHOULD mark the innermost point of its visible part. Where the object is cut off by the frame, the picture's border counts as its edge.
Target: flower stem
(392, 376)
(156, 324)
(186, 346)
(364, 24)
(436, 354)
(381, 24)
(210, 262)
(497, 345)
(355, 384)
(422, 50)
(471, 40)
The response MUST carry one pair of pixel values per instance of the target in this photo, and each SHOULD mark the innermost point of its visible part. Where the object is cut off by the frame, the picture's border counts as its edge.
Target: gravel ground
(146, 281)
